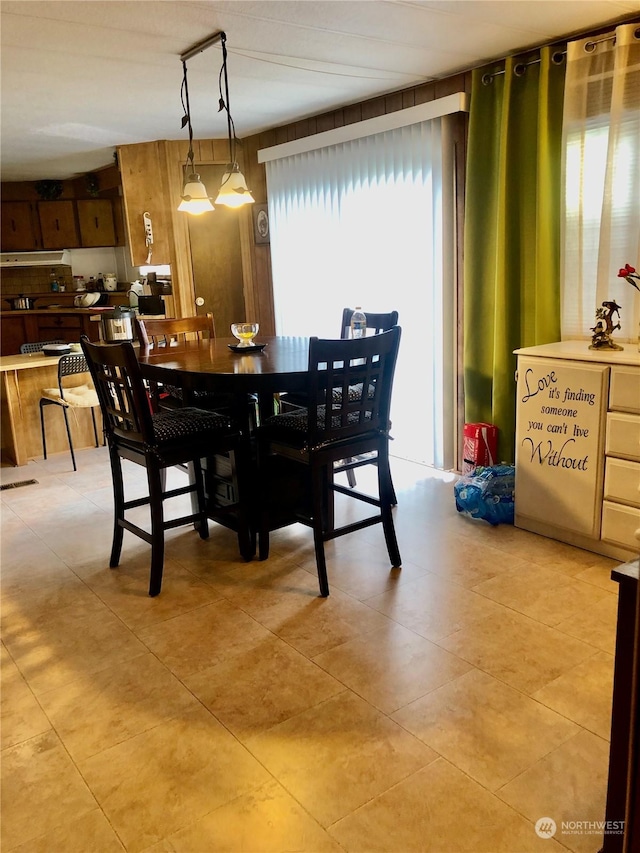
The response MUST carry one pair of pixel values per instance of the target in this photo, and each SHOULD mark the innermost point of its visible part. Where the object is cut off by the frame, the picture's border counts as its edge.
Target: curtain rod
(520, 68)
(557, 58)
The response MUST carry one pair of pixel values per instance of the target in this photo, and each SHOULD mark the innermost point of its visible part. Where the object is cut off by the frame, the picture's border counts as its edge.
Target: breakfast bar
(23, 378)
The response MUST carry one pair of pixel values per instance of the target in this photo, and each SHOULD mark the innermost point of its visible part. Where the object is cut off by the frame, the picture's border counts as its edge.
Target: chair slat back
(123, 399)
(70, 365)
(350, 385)
(376, 323)
(38, 346)
(155, 333)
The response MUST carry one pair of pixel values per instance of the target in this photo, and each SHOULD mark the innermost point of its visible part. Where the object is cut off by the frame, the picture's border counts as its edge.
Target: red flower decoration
(628, 273)
(624, 272)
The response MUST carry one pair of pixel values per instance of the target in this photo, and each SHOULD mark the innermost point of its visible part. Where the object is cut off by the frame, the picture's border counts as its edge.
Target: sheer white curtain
(602, 179)
(366, 222)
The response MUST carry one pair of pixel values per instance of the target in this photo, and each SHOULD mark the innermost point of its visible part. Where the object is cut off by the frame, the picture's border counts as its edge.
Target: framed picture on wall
(261, 223)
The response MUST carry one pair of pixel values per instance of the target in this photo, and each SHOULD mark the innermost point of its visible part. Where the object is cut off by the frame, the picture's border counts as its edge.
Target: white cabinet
(578, 446)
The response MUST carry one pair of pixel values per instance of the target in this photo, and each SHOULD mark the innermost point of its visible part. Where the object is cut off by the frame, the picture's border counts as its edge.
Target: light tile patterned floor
(442, 707)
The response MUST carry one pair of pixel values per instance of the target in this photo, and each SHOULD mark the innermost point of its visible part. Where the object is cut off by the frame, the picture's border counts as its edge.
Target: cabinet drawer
(623, 436)
(622, 482)
(61, 321)
(624, 394)
(619, 525)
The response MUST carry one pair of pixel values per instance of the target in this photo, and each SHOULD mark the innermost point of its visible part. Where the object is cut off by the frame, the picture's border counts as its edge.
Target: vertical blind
(368, 222)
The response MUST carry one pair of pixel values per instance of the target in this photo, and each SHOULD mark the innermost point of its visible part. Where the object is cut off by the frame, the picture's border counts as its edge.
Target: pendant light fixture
(195, 198)
(233, 190)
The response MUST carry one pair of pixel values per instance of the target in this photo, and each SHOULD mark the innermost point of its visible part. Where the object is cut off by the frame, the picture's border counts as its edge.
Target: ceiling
(79, 78)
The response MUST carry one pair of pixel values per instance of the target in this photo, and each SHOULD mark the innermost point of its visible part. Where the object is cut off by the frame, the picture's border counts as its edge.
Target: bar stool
(78, 396)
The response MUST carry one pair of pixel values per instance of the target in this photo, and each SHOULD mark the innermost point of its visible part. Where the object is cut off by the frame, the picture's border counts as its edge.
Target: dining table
(211, 365)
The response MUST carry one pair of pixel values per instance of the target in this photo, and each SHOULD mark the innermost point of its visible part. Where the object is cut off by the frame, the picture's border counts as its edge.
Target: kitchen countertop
(27, 361)
(97, 310)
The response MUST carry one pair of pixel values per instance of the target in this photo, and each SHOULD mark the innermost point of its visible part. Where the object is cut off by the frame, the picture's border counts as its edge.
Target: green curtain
(512, 233)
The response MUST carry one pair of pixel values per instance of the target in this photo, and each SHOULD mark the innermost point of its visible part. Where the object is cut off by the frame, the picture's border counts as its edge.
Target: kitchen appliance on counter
(134, 293)
(118, 325)
(151, 305)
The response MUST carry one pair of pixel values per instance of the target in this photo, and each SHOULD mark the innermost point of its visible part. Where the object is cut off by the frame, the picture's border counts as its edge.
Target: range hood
(35, 259)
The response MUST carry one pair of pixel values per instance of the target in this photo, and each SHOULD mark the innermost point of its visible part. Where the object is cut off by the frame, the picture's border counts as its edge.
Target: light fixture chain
(232, 134)
(187, 109)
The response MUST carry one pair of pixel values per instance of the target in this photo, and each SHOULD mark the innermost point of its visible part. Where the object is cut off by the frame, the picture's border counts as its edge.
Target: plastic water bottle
(358, 323)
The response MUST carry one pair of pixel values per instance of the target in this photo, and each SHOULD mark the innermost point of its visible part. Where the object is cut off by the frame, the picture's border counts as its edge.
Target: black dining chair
(70, 395)
(155, 334)
(376, 323)
(349, 393)
(158, 441)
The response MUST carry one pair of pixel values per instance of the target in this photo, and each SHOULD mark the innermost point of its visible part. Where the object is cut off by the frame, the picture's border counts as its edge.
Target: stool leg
(155, 477)
(66, 423)
(95, 427)
(118, 507)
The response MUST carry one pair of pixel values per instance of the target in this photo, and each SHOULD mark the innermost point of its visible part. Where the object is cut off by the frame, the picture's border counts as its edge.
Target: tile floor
(442, 707)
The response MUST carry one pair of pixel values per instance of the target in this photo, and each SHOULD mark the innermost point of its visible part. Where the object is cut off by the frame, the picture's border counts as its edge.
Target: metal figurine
(605, 327)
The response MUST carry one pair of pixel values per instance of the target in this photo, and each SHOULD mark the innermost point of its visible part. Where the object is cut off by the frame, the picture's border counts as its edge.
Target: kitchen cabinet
(19, 227)
(19, 327)
(58, 225)
(144, 188)
(578, 445)
(95, 218)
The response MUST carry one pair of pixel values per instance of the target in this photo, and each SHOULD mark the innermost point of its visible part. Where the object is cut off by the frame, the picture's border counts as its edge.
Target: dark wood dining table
(210, 365)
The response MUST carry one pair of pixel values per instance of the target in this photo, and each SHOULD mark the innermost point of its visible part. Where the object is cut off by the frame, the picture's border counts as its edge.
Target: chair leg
(385, 485)
(154, 479)
(66, 423)
(118, 507)
(44, 437)
(318, 482)
(351, 477)
(202, 525)
(95, 427)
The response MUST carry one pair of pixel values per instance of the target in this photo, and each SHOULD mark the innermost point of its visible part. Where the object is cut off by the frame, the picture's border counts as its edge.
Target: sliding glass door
(369, 222)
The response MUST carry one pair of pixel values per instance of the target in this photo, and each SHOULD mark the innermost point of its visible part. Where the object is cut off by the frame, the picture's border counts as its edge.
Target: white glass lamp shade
(194, 196)
(233, 189)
